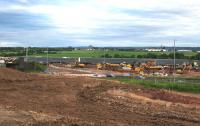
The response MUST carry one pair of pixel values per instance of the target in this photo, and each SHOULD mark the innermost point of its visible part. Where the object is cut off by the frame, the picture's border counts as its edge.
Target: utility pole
(174, 73)
(104, 57)
(47, 58)
(26, 54)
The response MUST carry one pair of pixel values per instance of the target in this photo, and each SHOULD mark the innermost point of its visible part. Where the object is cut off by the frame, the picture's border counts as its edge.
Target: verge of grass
(32, 67)
(182, 87)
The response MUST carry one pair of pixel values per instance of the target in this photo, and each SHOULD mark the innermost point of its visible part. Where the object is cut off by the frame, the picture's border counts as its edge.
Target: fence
(170, 80)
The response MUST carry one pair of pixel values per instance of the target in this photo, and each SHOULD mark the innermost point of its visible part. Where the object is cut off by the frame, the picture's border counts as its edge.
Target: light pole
(174, 62)
(104, 57)
(47, 58)
(26, 54)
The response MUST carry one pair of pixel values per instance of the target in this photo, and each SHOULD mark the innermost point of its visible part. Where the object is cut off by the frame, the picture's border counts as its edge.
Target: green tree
(139, 56)
(117, 56)
(132, 56)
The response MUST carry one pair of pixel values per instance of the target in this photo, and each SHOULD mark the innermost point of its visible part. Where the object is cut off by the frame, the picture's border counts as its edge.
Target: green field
(182, 87)
(56, 53)
(93, 54)
(100, 53)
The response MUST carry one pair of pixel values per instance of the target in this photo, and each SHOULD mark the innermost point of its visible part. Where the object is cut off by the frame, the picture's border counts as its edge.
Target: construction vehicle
(108, 66)
(126, 66)
(139, 70)
(153, 69)
(195, 66)
(185, 68)
(99, 66)
(79, 65)
(115, 67)
(151, 63)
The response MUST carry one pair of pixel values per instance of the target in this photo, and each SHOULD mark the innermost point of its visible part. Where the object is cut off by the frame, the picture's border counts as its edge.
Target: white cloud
(23, 1)
(87, 17)
(99, 13)
(10, 44)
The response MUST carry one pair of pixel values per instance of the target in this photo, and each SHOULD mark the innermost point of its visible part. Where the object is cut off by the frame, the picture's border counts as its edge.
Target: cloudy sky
(99, 22)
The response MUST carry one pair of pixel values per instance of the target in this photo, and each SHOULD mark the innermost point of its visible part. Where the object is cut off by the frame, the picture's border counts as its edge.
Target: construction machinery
(139, 70)
(108, 66)
(79, 65)
(184, 69)
(8, 59)
(125, 66)
(114, 67)
(151, 63)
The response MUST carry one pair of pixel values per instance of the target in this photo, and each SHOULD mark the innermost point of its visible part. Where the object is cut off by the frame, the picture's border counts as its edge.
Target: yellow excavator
(78, 64)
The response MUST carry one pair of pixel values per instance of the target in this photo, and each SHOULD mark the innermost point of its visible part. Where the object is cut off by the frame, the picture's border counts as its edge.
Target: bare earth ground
(39, 100)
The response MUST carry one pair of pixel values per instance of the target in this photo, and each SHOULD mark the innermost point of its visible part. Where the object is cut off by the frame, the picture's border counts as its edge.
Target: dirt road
(39, 100)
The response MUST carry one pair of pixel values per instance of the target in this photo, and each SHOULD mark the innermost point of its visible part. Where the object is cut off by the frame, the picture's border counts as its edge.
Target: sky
(125, 23)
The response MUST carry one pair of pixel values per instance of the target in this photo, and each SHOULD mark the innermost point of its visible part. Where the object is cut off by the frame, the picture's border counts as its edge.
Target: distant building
(90, 48)
(184, 50)
(156, 50)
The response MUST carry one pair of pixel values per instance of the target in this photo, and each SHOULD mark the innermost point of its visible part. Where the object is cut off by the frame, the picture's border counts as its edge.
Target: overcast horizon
(101, 23)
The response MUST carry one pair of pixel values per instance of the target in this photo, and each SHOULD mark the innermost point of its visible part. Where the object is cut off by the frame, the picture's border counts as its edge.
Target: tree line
(154, 56)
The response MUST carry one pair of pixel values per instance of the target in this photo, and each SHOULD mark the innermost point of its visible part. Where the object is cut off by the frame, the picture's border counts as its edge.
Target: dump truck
(114, 67)
(108, 66)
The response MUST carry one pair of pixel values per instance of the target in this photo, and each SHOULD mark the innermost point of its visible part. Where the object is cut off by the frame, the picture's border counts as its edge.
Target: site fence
(171, 80)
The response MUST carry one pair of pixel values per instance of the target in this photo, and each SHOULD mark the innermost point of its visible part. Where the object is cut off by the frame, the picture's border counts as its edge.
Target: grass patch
(32, 67)
(92, 54)
(182, 87)
(97, 53)
(112, 53)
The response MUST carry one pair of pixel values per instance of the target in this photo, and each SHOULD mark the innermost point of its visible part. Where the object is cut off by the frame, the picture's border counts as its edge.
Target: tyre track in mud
(133, 111)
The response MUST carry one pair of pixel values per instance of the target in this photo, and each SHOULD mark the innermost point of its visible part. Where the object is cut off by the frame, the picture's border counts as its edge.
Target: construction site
(78, 93)
(99, 63)
(143, 67)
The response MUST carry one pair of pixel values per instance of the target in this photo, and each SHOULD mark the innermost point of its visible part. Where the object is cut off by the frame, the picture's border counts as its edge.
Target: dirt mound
(6, 73)
(29, 118)
(77, 101)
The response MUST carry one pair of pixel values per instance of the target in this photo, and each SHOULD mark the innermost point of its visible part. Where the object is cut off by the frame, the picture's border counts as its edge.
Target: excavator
(78, 64)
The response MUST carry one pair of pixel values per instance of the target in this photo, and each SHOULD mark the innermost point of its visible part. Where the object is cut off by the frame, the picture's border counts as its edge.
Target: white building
(184, 50)
(156, 50)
